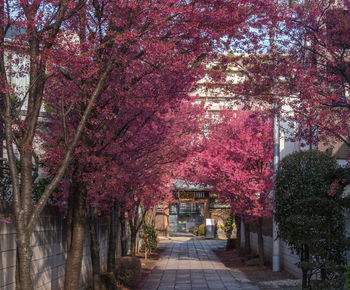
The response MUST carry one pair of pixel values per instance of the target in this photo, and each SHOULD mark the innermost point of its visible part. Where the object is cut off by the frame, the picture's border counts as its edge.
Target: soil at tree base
(254, 273)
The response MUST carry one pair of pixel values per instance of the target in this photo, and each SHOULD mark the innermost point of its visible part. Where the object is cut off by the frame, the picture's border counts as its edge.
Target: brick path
(190, 263)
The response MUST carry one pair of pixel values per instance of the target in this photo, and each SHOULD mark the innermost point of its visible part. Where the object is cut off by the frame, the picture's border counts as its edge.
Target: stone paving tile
(190, 263)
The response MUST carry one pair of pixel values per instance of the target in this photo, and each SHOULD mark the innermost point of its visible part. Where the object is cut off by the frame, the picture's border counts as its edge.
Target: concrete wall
(288, 260)
(49, 250)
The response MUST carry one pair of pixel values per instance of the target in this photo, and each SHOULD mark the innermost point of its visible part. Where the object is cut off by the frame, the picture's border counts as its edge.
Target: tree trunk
(75, 252)
(238, 237)
(23, 234)
(69, 221)
(261, 243)
(94, 251)
(304, 278)
(133, 231)
(123, 237)
(118, 235)
(323, 274)
(112, 246)
(304, 258)
(24, 258)
(247, 249)
(307, 258)
(135, 222)
(133, 235)
(17, 268)
(113, 235)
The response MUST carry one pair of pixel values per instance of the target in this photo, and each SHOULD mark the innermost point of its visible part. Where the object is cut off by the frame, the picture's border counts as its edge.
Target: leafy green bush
(201, 230)
(229, 226)
(38, 188)
(5, 187)
(347, 277)
(311, 219)
(149, 238)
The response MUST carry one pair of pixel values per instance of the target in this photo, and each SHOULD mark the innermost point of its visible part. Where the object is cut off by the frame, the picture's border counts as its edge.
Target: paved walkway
(190, 263)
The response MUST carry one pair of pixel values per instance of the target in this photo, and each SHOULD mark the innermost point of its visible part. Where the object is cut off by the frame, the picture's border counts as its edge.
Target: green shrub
(347, 277)
(38, 188)
(229, 226)
(149, 238)
(201, 230)
(311, 219)
(5, 187)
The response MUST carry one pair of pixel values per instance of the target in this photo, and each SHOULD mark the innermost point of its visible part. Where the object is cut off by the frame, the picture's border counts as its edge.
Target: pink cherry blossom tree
(236, 162)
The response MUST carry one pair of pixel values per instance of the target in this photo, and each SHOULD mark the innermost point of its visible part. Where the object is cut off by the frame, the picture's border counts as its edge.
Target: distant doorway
(184, 216)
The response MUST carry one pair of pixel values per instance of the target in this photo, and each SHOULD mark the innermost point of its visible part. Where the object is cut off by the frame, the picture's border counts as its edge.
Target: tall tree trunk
(133, 223)
(94, 251)
(113, 235)
(24, 258)
(110, 280)
(75, 252)
(247, 248)
(123, 238)
(22, 233)
(133, 235)
(17, 268)
(118, 235)
(69, 220)
(305, 258)
(238, 236)
(323, 274)
(260, 242)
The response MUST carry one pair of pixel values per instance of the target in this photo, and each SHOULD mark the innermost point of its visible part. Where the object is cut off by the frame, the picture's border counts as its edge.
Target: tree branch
(61, 171)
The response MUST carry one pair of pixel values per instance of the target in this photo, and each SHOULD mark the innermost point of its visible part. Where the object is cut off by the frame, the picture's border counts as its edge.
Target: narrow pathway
(190, 263)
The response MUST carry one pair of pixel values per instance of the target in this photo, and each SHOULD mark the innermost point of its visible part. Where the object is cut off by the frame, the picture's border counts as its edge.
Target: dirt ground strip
(263, 277)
